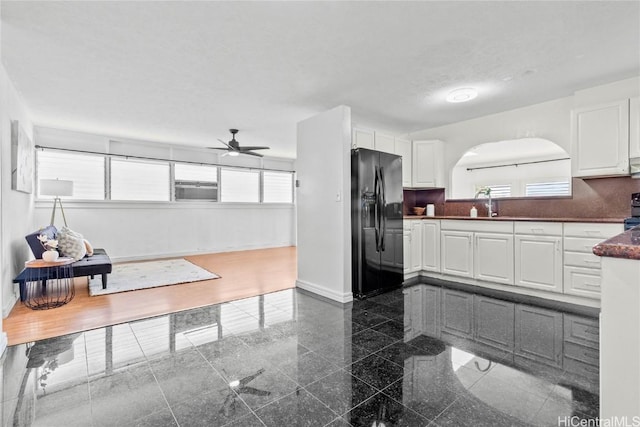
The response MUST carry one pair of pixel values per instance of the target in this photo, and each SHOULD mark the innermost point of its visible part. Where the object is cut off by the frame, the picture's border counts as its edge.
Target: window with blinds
(277, 187)
(545, 189)
(239, 186)
(500, 190)
(85, 170)
(138, 180)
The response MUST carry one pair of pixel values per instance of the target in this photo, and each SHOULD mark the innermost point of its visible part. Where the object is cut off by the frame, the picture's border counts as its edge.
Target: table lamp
(57, 188)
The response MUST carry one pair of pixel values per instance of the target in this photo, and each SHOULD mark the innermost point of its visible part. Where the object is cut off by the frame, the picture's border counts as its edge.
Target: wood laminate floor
(243, 274)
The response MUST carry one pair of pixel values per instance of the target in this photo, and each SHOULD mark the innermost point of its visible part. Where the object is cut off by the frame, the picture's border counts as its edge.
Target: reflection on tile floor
(282, 359)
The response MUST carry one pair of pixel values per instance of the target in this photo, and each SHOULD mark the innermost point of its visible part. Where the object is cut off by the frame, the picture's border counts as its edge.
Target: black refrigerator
(376, 222)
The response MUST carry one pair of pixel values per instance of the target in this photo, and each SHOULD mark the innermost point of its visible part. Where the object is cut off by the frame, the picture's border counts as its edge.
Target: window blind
(136, 180)
(239, 186)
(85, 170)
(277, 187)
(543, 189)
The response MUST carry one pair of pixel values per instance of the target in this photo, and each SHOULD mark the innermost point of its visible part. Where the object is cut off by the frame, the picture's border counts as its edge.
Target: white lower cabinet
(493, 257)
(538, 256)
(581, 266)
(457, 252)
(431, 245)
(406, 247)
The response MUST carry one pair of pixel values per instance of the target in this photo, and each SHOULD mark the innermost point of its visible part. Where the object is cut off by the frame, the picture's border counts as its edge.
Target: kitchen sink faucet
(487, 192)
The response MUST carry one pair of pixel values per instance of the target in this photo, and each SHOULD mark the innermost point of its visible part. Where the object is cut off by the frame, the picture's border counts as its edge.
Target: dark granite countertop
(511, 218)
(625, 245)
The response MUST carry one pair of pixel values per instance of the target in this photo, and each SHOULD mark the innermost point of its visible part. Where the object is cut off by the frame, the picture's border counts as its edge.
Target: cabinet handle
(590, 261)
(588, 354)
(537, 230)
(591, 331)
(592, 232)
(592, 285)
(591, 369)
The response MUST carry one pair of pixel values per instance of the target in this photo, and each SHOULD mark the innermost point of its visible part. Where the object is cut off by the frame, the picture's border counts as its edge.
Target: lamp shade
(56, 187)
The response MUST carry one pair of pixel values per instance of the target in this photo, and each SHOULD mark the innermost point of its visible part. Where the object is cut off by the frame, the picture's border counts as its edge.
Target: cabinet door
(600, 140)
(634, 127)
(431, 245)
(538, 262)
(384, 143)
(457, 253)
(494, 322)
(457, 313)
(403, 148)
(362, 138)
(493, 257)
(406, 251)
(416, 246)
(427, 158)
(538, 334)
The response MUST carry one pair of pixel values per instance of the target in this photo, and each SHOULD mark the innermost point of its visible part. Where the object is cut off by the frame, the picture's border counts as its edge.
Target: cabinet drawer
(581, 368)
(580, 244)
(406, 224)
(581, 259)
(585, 282)
(581, 330)
(541, 228)
(483, 226)
(581, 353)
(592, 230)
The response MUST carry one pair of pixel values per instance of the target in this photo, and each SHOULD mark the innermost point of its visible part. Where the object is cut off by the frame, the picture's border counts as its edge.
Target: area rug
(149, 274)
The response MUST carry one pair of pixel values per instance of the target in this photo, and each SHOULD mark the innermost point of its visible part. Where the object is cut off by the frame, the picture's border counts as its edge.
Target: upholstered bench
(88, 266)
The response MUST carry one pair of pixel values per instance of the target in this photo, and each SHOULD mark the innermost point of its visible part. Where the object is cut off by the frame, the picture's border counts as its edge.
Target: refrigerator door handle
(383, 206)
(376, 214)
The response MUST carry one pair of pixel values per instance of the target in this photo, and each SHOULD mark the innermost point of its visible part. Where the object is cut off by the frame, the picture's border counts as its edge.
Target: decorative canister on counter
(431, 210)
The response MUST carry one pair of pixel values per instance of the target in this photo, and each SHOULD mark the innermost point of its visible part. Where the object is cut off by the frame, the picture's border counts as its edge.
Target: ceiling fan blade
(251, 153)
(218, 148)
(228, 146)
(251, 148)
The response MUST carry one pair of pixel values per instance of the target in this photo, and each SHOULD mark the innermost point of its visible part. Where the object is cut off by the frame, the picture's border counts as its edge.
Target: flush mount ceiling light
(462, 95)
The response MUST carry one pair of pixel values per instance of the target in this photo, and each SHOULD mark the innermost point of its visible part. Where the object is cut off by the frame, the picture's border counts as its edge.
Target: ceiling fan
(234, 148)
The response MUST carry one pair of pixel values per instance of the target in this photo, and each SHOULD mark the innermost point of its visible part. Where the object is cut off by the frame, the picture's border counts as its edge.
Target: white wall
(324, 204)
(16, 207)
(144, 230)
(133, 231)
(549, 120)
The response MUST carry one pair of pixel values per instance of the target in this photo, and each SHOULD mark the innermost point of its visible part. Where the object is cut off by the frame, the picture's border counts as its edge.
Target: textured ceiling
(186, 72)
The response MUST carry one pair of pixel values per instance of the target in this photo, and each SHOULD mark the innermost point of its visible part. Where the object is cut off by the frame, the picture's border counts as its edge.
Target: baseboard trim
(3, 343)
(324, 292)
(117, 259)
(9, 304)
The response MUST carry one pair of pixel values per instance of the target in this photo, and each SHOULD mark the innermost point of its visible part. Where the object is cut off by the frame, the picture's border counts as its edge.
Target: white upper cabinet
(427, 167)
(600, 140)
(384, 143)
(362, 138)
(634, 127)
(403, 148)
(366, 138)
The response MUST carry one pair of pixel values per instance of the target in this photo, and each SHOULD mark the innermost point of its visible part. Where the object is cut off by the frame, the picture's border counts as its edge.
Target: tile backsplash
(592, 198)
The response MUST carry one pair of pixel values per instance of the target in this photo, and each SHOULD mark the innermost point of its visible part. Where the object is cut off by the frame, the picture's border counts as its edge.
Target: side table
(48, 284)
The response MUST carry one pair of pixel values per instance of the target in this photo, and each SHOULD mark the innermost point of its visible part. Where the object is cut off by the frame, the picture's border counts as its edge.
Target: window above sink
(525, 167)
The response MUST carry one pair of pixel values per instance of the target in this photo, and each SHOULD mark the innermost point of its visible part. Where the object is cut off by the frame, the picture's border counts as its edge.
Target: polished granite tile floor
(283, 359)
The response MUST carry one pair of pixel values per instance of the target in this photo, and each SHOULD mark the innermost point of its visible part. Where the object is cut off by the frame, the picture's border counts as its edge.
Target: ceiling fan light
(234, 153)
